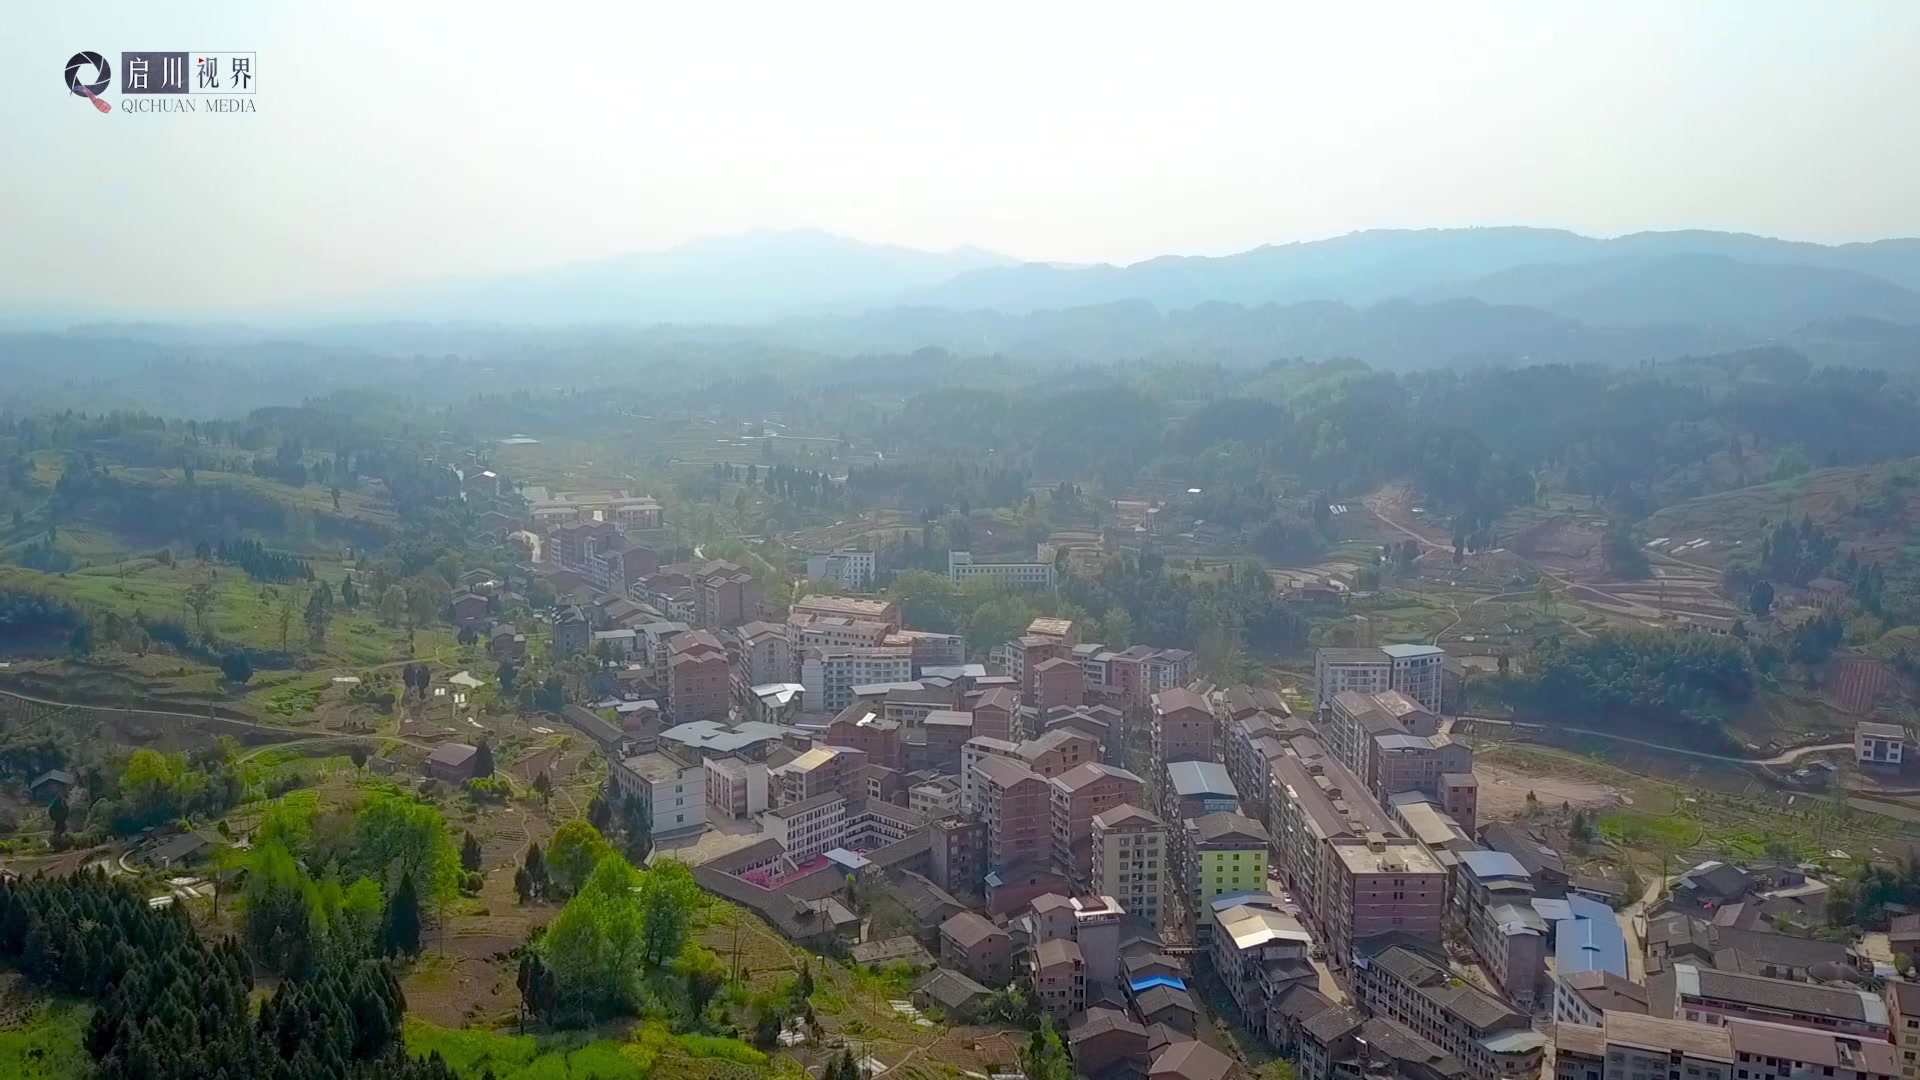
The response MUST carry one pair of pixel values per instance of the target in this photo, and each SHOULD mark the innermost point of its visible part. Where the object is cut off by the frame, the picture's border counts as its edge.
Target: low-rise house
(960, 999)
(1192, 1060)
(505, 642)
(52, 784)
(929, 904)
(1879, 746)
(469, 610)
(183, 850)
(974, 945)
(1104, 1038)
(1546, 867)
(452, 763)
(1676, 937)
(894, 950)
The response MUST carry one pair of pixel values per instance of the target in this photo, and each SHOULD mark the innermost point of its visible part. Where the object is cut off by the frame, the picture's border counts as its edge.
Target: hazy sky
(402, 140)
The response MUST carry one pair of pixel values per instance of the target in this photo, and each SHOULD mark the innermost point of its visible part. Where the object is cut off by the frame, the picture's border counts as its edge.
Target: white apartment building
(736, 788)
(675, 792)
(850, 567)
(830, 674)
(1415, 670)
(1026, 575)
(809, 827)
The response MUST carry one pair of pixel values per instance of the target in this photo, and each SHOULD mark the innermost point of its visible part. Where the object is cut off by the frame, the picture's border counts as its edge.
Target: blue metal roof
(1152, 981)
(1590, 941)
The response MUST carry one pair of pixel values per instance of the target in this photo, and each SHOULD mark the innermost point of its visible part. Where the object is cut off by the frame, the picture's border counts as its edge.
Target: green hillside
(1873, 509)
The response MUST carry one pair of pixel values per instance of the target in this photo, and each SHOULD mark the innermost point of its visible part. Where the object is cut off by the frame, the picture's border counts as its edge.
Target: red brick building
(1182, 726)
(697, 683)
(1056, 683)
(1079, 794)
(1016, 805)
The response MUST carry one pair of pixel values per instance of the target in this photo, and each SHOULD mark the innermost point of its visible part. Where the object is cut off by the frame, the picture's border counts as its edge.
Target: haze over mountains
(1395, 298)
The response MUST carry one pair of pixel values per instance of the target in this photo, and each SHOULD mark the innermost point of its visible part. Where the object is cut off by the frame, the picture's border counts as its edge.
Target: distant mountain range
(1397, 298)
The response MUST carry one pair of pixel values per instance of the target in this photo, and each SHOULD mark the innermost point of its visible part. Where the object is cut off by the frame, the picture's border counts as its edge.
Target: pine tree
(402, 930)
(470, 854)
(483, 760)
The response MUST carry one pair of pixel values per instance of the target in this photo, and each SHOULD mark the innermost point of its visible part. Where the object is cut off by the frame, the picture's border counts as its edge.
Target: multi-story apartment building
(935, 798)
(1490, 1038)
(1248, 743)
(1417, 671)
(1056, 683)
(1772, 1052)
(972, 753)
(1495, 898)
(1015, 803)
(1903, 1008)
(1626, 1046)
(1078, 795)
(830, 675)
(1383, 886)
(1394, 745)
(573, 542)
(930, 650)
(617, 566)
(852, 568)
(823, 769)
(1129, 849)
(993, 712)
(861, 728)
(725, 595)
(956, 855)
(848, 607)
(1181, 726)
(1057, 751)
(1258, 953)
(1222, 854)
(1059, 975)
(697, 678)
(766, 654)
(808, 827)
(1024, 575)
(1352, 869)
(1712, 996)
(835, 632)
(736, 787)
(674, 791)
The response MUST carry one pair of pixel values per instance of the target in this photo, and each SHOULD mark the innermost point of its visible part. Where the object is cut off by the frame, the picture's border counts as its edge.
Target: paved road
(1778, 759)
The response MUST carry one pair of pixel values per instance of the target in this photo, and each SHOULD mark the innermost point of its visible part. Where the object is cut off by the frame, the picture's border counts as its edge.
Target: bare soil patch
(1503, 792)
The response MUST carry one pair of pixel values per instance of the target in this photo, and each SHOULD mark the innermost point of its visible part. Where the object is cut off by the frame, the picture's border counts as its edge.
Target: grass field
(47, 1044)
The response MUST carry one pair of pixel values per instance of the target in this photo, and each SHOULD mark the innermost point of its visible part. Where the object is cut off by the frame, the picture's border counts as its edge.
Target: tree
(357, 753)
(1760, 598)
(483, 760)
(237, 667)
(470, 854)
(668, 899)
(200, 598)
(80, 643)
(535, 865)
(319, 612)
(576, 847)
(1044, 1057)
(349, 594)
(400, 931)
(57, 813)
(505, 673)
(543, 786)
